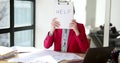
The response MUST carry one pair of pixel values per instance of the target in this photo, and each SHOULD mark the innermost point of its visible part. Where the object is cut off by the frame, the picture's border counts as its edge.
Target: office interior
(27, 22)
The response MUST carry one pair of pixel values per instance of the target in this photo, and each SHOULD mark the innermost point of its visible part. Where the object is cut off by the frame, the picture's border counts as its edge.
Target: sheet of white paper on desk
(38, 55)
(64, 14)
(44, 59)
(25, 57)
(23, 49)
(59, 56)
(5, 50)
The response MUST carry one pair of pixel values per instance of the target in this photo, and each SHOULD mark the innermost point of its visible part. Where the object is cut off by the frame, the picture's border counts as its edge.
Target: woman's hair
(73, 10)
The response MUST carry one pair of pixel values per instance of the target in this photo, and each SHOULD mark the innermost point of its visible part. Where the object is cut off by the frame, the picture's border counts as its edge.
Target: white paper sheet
(21, 49)
(5, 50)
(44, 59)
(64, 14)
(44, 56)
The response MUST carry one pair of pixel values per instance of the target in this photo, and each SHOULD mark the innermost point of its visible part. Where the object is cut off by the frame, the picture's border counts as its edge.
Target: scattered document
(44, 59)
(6, 52)
(42, 56)
(59, 56)
(21, 49)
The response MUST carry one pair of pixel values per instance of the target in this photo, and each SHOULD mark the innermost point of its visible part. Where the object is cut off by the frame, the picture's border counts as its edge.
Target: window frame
(13, 29)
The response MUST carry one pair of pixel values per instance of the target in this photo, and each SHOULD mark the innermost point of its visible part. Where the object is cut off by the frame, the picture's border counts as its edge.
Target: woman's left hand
(73, 25)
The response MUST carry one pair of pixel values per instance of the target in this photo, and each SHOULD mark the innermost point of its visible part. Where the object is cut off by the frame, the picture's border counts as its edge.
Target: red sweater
(75, 44)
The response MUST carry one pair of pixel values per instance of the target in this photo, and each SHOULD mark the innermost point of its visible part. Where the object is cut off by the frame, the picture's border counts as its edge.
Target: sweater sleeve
(82, 38)
(48, 41)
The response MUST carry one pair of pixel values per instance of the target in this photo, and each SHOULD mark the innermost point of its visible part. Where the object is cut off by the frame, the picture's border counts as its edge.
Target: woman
(76, 39)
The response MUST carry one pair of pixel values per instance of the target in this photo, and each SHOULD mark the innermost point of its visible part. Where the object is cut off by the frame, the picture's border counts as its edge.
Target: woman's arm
(80, 35)
(48, 41)
(82, 38)
(49, 38)
(73, 25)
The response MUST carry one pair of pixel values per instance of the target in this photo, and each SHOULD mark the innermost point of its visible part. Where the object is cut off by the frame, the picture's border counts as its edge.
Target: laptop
(96, 55)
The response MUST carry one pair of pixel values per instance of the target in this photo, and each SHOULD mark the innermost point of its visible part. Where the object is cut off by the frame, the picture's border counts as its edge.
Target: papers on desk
(44, 56)
(44, 59)
(6, 52)
(21, 49)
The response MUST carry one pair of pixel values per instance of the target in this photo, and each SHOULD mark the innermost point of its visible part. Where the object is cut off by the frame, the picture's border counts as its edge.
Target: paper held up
(64, 14)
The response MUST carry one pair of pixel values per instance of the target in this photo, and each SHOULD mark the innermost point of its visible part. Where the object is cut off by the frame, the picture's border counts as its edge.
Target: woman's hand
(73, 25)
(55, 24)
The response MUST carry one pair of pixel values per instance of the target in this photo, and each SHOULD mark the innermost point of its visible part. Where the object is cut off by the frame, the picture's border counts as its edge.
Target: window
(23, 13)
(20, 21)
(5, 39)
(4, 14)
(4, 22)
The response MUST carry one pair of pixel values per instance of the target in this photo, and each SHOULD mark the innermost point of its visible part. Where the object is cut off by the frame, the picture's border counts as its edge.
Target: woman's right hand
(55, 24)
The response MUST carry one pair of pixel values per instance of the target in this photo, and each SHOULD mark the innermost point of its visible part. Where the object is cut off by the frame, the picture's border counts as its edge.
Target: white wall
(107, 21)
(90, 13)
(115, 13)
(44, 14)
(100, 12)
(95, 13)
(80, 11)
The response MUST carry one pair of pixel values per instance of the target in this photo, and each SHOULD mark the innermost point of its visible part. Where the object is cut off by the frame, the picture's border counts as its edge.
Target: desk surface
(63, 61)
(3, 61)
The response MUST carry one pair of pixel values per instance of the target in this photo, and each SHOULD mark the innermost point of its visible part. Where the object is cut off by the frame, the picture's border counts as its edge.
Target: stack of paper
(6, 52)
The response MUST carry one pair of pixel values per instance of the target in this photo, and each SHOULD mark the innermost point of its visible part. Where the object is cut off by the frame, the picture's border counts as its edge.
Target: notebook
(96, 55)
